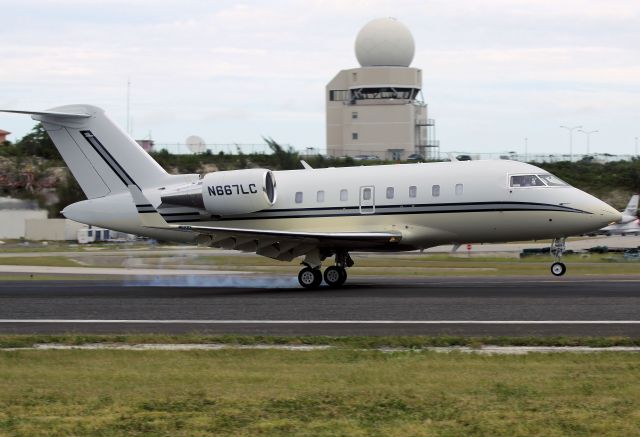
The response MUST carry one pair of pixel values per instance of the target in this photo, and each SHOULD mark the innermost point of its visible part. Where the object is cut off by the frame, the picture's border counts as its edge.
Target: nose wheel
(558, 269)
(557, 249)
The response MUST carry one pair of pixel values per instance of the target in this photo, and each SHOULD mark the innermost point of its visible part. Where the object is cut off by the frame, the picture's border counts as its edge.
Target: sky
(494, 71)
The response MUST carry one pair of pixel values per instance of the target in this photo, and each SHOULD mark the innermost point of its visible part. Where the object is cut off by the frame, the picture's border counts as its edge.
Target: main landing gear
(334, 276)
(557, 249)
(310, 277)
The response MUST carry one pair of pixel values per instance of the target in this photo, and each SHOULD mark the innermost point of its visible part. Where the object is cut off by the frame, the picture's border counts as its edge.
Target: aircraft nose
(611, 214)
(607, 213)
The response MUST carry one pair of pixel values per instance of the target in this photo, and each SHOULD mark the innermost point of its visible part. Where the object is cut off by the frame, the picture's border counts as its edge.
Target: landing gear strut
(335, 276)
(557, 249)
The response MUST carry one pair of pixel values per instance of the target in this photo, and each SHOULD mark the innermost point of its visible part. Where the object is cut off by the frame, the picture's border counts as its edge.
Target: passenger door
(367, 199)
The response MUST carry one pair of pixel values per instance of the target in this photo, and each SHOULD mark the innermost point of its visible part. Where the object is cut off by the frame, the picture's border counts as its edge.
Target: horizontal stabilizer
(48, 113)
(149, 216)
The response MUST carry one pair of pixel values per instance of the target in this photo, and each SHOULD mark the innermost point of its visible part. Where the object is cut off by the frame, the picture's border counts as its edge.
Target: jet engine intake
(234, 192)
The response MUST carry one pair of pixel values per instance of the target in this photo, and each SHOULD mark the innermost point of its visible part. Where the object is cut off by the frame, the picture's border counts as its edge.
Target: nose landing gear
(557, 249)
(558, 269)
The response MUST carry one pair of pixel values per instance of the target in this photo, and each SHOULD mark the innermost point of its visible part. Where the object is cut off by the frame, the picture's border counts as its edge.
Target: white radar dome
(196, 144)
(385, 42)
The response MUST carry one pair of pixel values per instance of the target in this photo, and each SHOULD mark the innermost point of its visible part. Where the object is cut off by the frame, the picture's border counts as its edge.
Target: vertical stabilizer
(632, 206)
(103, 158)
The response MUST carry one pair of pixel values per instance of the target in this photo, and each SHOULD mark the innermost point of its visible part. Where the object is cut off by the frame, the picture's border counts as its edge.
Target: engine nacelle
(238, 191)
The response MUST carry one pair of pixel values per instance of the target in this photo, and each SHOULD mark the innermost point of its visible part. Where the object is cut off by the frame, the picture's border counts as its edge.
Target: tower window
(338, 95)
(354, 115)
(354, 136)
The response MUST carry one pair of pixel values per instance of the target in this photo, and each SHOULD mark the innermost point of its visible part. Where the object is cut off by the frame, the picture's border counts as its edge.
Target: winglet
(306, 165)
(149, 216)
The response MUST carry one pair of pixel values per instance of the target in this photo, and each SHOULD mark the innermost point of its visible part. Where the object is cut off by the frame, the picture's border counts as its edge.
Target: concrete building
(3, 135)
(13, 215)
(44, 229)
(378, 109)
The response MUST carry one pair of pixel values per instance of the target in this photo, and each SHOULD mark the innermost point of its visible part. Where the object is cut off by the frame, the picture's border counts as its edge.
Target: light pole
(588, 134)
(636, 146)
(571, 129)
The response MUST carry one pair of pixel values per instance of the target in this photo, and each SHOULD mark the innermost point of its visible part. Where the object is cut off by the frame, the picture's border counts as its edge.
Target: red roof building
(3, 135)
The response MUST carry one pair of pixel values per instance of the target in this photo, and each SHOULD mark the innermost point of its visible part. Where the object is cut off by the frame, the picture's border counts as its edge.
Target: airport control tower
(378, 109)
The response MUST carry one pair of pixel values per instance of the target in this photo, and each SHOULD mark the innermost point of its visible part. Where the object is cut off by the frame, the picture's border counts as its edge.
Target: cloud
(236, 71)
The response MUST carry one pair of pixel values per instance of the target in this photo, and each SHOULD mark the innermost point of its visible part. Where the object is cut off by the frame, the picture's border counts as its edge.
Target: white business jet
(629, 224)
(315, 213)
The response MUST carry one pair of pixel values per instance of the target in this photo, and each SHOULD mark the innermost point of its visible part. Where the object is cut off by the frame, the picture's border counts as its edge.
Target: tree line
(32, 168)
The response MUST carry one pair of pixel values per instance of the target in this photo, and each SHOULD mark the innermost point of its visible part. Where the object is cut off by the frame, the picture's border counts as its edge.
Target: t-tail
(632, 207)
(102, 157)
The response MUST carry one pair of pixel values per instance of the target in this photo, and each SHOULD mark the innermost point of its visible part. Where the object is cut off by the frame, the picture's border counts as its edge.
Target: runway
(503, 306)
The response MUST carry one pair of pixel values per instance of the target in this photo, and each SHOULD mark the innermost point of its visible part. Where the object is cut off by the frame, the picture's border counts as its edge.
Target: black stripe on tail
(108, 159)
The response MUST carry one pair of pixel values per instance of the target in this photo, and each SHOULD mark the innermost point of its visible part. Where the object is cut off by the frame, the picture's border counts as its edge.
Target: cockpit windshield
(532, 180)
(526, 180)
(553, 181)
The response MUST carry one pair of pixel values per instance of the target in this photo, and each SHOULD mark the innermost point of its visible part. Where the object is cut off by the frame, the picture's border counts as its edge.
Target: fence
(247, 149)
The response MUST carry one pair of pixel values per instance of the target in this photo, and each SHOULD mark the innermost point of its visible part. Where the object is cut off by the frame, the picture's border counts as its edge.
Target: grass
(317, 393)
(345, 342)
(54, 261)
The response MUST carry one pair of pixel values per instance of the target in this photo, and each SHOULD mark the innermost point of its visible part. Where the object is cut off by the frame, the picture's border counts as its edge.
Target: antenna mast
(129, 106)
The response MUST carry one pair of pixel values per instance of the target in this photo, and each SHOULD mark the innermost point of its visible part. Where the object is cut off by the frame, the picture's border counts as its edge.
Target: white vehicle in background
(93, 234)
(314, 213)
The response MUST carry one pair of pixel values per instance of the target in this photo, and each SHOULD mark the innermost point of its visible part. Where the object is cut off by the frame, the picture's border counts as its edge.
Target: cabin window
(435, 190)
(459, 189)
(529, 180)
(390, 192)
(299, 197)
(366, 194)
(320, 196)
(413, 191)
(354, 136)
(344, 195)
